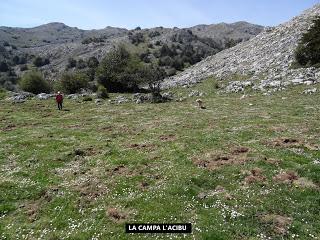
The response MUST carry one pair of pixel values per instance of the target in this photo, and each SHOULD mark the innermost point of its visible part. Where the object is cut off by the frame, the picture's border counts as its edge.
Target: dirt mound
(286, 177)
(167, 138)
(256, 176)
(280, 224)
(213, 161)
(117, 215)
(143, 146)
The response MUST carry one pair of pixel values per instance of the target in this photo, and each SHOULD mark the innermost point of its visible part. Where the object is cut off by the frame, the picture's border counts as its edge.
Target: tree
(308, 50)
(118, 71)
(73, 82)
(153, 76)
(34, 82)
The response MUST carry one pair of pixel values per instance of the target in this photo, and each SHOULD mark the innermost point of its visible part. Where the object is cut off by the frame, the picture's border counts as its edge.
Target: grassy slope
(139, 159)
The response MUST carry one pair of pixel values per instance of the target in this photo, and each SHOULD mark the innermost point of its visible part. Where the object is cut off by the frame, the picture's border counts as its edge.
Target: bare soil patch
(285, 142)
(168, 138)
(143, 146)
(9, 127)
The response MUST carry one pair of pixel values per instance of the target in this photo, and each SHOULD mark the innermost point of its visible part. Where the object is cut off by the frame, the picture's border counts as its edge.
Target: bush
(3, 93)
(23, 67)
(81, 64)
(7, 81)
(4, 67)
(153, 76)
(118, 71)
(87, 99)
(72, 63)
(102, 92)
(137, 38)
(308, 51)
(34, 82)
(92, 62)
(73, 82)
(154, 34)
(16, 60)
(39, 62)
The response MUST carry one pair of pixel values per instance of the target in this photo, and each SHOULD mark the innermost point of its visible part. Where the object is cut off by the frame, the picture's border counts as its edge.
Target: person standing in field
(59, 100)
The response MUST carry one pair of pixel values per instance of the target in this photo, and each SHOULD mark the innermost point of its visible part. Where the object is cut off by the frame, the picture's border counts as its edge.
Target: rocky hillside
(263, 62)
(58, 42)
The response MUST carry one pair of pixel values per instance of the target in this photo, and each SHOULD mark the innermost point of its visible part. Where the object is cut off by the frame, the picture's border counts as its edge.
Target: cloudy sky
(96, 14)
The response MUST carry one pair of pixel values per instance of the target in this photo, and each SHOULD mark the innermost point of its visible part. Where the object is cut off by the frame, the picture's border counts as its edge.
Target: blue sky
(96, 14)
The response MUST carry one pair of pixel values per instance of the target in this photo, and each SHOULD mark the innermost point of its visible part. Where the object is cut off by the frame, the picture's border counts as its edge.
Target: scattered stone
(44, 96)
(238, 86)
(119, 100)
(182, 99)
(141, 98)
(200, 103)
(74, 96)
(20, 97)
(310, 91)
(195, 93)
(168, 96)
(98, 101)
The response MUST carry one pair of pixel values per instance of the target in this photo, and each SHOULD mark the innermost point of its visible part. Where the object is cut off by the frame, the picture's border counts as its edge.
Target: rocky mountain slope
(59, 42)
(264, 61)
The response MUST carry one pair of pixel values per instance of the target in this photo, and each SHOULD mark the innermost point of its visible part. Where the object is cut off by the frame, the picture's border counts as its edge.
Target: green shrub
(81, 64)
(118, 71)
(23, 67)
(3, 93)
(92, 62)
(102, 92)
(87, 99)
(4, 67)
(73, 82)
(39, 61)
(308, 51)
(34, 82)
(72, 63)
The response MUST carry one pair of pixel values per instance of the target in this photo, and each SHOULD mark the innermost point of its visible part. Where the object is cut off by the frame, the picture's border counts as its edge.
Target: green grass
(140, 159)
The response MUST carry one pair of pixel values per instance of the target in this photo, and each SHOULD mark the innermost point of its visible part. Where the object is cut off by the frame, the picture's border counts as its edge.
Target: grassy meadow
(240, 169)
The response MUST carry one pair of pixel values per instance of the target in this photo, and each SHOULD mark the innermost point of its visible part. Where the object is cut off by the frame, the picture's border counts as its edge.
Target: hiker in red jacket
(59, 99)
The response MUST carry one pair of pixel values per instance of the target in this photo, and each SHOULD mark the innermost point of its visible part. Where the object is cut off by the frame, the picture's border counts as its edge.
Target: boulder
(44, 96)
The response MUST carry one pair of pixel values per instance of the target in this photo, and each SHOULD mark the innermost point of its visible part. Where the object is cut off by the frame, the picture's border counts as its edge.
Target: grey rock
(195, 93)
(310, 91)
(168, 96)
(44, 96)
(98, 101)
